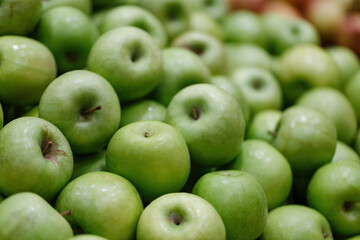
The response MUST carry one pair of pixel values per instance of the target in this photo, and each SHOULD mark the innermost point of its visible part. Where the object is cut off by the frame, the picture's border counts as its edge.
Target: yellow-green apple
(86, 237)
(217, 9)
(203, 22)
(89, 163)
(344, 152)
(83, 5)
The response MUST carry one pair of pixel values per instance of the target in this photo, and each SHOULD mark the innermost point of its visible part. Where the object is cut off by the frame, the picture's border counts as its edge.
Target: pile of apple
(179, 119)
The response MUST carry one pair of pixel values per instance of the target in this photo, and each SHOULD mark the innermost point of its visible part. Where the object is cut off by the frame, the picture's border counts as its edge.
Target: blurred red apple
(283, 8)
(348, 33)
(252, 5)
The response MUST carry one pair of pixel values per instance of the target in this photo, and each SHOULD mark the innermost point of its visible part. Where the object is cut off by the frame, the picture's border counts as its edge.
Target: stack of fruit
(179, 119)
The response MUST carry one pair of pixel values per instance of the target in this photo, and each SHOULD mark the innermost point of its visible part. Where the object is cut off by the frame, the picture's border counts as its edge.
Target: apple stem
(86, 112)
(195, 113)
(66, 213)
(273, 134)
(47, 148)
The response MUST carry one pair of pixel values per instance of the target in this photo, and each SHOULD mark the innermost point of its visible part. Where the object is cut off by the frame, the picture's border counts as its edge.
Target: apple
(1, 117)
(351, 91)
(83, 5)
(357, 142)
(130, 59)
(336, 106)
(253, 5)
(348, 32)
(306, 66)
(260, 88)
(180, 216)
(269, 167)
(210, 120)
(69, 33)
(354, 238)
(89, 163)
(137, 17)
(196, 172)
(334, 190)
(263, 125)
(344, 152)
(296, 222)
(101, 203)
(101, 4)
(37, 151)
(27, 68)
(19, 17)
(210, 49)
(32, 112)
(203, 22)
(217, 9)
(181, 68)
(85, 107)
(26, 215)
(283, 8)
(161, 166)
(306, 137)
(86, 237)
(239, 199)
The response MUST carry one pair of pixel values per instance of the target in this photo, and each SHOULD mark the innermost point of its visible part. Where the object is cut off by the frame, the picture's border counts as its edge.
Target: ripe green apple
(217, 9)
(268, 166)
(85, 107)
(19, 17)
(351, 91)
(296, 222)
(211, 121)
(263, 125)
(306, 66)
(69, 34)
(344, 152)
(83, 5)
(333, 103)
(179, 216)
(152, 155)
(137, 17)
(144, 109)
(1, 117)
(26, 215)
(334, 190)
(130, 59)
(27, 68)
(86, 237)
(203, 22)
(37, 151)
(210, 49)
(88, 163)
(306, 137)
(239, 199)
(101, 203)
(260, 88)
(181, 68)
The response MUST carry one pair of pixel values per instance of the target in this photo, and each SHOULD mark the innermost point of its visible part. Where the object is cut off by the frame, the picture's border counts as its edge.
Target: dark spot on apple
(146, 134)
(136, 54)
(348, 206)
(257, 83)
(195, 113)
(173, 11)
(198, 49)
(326, 235)
(66, 213)
(176, 218)
(71, 56)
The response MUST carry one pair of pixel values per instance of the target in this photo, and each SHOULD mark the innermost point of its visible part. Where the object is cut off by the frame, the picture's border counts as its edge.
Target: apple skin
(210, 120)
(348, 32)
(161, 166)
(254, 5)
(203, 22)
(83, 5)
(28, 216)
(345, 153)
(27, 68)
(137, 17)
(98, 201)
(336, 106)
(175, 76)
(351, 91)
(88, 163)
(281, 7)
(296, 222)
(33, 112)
(239, 199)
(217, 9)
(69, 34)
(103, 4)
(144, 109)
(19, 17)
(268, 166)
(1, 117)
(354, 238)
(37, 151)
(180, 216)
(86, 237)
(64, 101)
(306, 137)
(129, 59)
(334, 190)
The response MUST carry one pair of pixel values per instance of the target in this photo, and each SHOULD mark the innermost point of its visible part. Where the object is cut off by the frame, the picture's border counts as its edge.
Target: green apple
(83, 5)
(354, 238)
(263, 125)
(101, 203)
(260, 88)
(27, 68)
(217, 9)
(86, 237)
(196, 172)
(19, 17)
(69, 33)
(130, 59)
(239, 199)
(137, 17)
(88, 163)
(336, 106)
(306, 66)
(181, 69)
(306, 137)
(296, 222)
(162, 165)
(351, 91)
(100, 4)
(37, 151)
(180, 216)
(144, 109)
(1, 117)
(32, 112)
(211, 121)
(28, 216)
(85, 107)
(203, 22)
(334, 190)
(357, 142)
(224, 82)
(244, 26)
(345, 153)
(246, 54)
(268, 166)
(210, 49)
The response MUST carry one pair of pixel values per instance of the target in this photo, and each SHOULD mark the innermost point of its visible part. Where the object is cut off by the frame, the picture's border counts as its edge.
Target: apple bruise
(176, 218)
(49, 147)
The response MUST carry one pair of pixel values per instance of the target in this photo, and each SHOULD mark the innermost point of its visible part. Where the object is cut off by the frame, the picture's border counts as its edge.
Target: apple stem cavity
(66, 213)
(47, 148)
(146, 134)
(176, 219)
(348, 206)
(88, 111)
(273, 134)
(195, 113)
